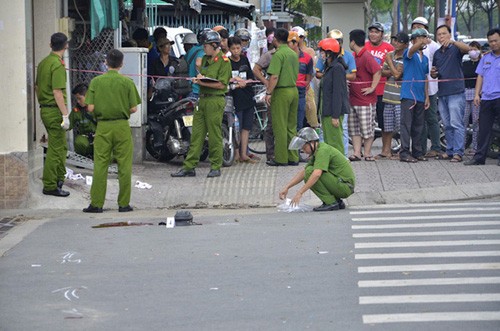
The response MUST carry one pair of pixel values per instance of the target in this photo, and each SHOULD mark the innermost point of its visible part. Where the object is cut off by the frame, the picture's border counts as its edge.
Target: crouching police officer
(328, 173)
(214, 76)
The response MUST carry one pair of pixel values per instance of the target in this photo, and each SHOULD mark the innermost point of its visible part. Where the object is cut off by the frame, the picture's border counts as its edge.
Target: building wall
(345, 15)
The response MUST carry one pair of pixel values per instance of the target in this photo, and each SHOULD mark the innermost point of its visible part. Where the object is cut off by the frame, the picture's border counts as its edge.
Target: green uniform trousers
(207, 118)
(82, 145)
(54, 168)
(328, 188)
(333, 136)
(284, 106)
(112, 138)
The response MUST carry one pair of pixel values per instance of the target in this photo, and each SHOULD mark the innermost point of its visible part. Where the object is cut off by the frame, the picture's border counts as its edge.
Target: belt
(285, 86)
(205, 95)
(113, 119)
(47, 106)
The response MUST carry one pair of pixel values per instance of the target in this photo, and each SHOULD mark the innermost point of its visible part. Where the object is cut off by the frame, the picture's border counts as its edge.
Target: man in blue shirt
(194, 54)
(414, 97)
(487, 96)
(447, 65)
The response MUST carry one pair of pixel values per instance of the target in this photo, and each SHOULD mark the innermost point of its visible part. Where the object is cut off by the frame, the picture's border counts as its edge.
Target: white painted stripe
(428, 281)
(427, 205)
(430, 267)
(433, 317)
(421, 217)
(431, 298)
(423, 210)
(425, 233)
(423, 225)
(426, 243)
(424, 255)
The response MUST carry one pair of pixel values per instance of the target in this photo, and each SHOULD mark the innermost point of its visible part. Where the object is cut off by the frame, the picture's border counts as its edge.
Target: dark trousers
(412, 124)
(380, 111)
(488, 111)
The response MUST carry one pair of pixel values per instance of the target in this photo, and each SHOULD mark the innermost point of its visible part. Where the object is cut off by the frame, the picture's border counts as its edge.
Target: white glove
(65, 122)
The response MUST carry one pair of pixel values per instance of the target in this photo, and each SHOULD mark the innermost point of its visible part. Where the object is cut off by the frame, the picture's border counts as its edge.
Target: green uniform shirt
(50, 75)
(285, 65)
(82, 121)
(122, 88)
(330, 159)
(217, 67)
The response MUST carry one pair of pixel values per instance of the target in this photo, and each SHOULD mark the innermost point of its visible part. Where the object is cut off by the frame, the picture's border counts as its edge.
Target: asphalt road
(424, 267)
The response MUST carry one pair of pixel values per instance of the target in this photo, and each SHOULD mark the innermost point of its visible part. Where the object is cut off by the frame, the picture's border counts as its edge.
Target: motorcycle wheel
(159, 153)
(256, 143)
(227, 147)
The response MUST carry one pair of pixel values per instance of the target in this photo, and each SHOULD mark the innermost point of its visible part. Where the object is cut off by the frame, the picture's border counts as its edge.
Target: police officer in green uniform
(328, 173)
(112, 97)
(283, 97)
(214, 76)
(51, 93)
(83, 123)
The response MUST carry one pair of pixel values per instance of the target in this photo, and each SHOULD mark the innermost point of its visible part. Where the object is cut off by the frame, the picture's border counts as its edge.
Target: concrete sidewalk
(257, 185)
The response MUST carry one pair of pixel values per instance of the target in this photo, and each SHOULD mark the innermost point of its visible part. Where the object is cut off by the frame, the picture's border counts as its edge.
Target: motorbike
(170, 120)
(230, 133)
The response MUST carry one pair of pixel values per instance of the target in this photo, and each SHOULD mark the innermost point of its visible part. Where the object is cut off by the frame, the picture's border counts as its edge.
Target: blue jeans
(452, 109)
(301, 111)
(346, 134)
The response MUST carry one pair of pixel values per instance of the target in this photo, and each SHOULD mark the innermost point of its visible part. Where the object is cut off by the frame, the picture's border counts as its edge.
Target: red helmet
(330, 44)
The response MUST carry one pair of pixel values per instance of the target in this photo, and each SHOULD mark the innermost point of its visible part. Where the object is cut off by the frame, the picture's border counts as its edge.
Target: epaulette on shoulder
(225, 58)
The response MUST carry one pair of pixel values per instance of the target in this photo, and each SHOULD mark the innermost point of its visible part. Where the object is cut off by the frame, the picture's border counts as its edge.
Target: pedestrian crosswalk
(428, 263)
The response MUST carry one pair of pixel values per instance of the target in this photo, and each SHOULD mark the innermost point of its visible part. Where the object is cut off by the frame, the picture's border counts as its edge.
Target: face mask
(474, 54)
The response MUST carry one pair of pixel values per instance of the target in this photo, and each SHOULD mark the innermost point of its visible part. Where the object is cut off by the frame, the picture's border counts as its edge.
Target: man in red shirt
(379, 49)
(362, 97)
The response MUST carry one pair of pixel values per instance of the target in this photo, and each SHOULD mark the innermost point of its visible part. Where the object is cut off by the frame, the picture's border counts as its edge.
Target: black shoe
(473, 162)
(57, 192)
(60, 183)
(213, 173)
(125, 209)
(341, 204)
(273, 163)
(92, 209)
(325, 207)
(184, 173)
(291, 163)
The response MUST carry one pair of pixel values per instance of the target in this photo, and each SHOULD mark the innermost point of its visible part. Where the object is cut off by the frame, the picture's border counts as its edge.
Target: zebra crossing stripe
(428, 281)
(430, 267)
(422, 225)
(433, 317)
(430, 298)
(425, 217)
(426, 243)
(426, 210)
(426, 205)
(424, 255)
(425, 233)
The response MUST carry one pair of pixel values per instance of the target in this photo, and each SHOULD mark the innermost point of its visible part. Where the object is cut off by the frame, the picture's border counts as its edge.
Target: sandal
(444, 156)
(456, 158)
(251, 161)
(408, 159)
(369, 158)
(382, 157)
(253, 157)
(354, 158)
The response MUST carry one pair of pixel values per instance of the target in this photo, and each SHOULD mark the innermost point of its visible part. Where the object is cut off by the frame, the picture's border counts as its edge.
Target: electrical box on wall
(67, 26)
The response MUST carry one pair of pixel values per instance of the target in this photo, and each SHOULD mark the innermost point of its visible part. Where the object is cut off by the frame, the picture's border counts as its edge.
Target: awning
(237, 7)
(103, 15)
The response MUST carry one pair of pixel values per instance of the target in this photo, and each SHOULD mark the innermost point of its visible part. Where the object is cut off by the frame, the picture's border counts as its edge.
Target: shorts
(361, 121)
(392, 117)
(245, 117)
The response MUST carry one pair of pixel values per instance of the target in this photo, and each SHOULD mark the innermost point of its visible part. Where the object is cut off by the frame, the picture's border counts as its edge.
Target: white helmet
(421, 20)
(300, 31)
(304, 136)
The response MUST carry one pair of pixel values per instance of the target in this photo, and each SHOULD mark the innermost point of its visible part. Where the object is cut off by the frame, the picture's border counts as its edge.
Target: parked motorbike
(230, 133)
(169, 123)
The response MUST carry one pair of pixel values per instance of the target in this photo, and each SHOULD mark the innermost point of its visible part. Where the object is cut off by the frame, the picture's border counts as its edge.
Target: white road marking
(425, 255)
(423, 225)
(426, 243)
(426, 233)
(428, 281)
(426, 205)
(433, 317)
(430, 267)
(430, 298)
(422, 217)
(425, 210)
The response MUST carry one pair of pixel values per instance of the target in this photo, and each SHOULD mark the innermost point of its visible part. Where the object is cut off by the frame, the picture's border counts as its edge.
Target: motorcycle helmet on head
(300, 31)
(304, 136)
(335, 34)
(202, 35)
(212, 37)
(190, 39)
(420, 20)
(243, 34)
(330, 44)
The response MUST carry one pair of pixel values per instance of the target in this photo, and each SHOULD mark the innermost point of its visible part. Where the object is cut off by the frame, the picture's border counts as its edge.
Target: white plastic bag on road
(142, 185)
(288, 208)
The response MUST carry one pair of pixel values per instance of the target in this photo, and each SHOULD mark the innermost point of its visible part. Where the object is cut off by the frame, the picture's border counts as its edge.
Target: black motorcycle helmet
(212, 37)
(202, 35)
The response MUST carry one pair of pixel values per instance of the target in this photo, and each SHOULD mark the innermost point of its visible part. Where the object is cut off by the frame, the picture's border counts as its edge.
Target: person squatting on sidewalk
(487, 96)
(112, 97)
(50, 88)
(328, 173)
